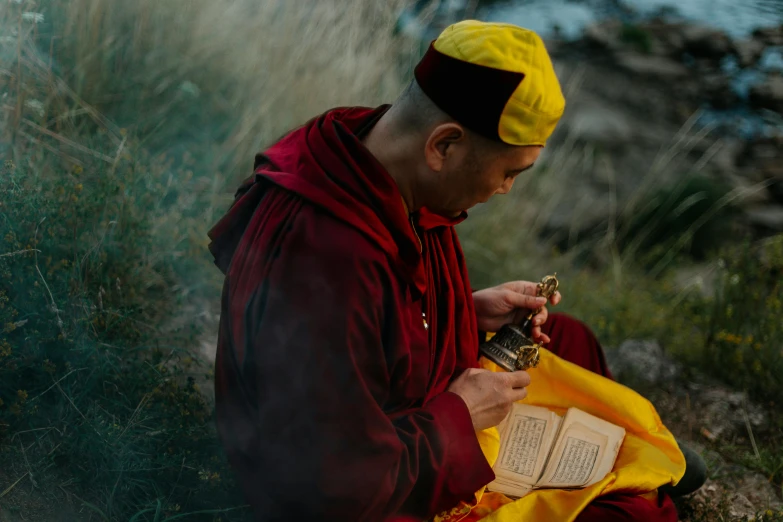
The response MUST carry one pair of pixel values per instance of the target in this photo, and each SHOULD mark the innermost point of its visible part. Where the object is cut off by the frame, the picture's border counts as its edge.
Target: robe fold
(343, 323)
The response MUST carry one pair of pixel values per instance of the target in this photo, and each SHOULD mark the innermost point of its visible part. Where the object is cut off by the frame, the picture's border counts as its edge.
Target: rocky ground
(708, 417)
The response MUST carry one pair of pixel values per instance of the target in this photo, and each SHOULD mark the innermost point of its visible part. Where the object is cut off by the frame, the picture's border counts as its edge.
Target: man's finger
(519, 379)
(522, 287)
(530, 302)
(536, 332)
(541, 317)
(517, 394)
(555, 299)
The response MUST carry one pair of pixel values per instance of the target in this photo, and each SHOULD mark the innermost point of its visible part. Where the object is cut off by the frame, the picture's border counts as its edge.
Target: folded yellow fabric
(648, 459)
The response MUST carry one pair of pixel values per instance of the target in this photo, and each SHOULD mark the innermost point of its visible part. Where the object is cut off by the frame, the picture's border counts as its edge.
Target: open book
(540, 449)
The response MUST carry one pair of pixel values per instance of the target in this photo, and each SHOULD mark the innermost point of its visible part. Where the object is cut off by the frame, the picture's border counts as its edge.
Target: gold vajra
(548, 286)
(527, 354)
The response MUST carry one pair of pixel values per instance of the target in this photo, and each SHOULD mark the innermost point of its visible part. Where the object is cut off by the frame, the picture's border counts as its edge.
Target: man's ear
(441, 143)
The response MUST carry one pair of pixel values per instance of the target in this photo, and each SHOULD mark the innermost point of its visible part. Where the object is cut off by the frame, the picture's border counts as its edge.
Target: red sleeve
(316, 376)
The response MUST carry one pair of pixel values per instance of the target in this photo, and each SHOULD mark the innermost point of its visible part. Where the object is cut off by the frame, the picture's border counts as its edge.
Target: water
(737, 17)
(542, 16)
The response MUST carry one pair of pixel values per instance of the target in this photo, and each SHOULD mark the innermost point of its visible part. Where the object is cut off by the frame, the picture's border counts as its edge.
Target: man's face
(472, 173)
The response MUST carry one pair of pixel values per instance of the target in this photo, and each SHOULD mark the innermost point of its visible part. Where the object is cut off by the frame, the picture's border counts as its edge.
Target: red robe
(330, 391)
(340, 331)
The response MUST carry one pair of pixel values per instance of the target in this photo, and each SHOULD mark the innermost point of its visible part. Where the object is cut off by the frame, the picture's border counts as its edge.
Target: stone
(642, 360)
(767, 216)
(758, 491)
(706, 42)
(749, 194)
(600, 124)
(605, 35)
(762, 154)
(657, 66)
(768, 94)
(717, 90)
(769, 35)
(580, 211)
(725, 159)
(742, 507)
(726, 414)
(671, 41)
(748, 51)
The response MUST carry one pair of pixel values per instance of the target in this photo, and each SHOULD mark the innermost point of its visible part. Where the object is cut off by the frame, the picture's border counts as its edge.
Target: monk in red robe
(346, 377)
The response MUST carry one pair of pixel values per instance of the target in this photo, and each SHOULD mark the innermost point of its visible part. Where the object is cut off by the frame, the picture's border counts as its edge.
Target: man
(346, 377)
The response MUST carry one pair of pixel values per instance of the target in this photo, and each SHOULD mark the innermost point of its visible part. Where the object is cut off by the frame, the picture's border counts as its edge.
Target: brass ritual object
(512, 348)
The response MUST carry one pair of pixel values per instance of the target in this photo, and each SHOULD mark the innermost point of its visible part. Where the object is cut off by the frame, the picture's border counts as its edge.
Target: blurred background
(126, 126)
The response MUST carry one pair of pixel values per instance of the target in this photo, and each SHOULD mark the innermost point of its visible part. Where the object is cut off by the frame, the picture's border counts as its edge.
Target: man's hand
(511, 303)
(489, 395)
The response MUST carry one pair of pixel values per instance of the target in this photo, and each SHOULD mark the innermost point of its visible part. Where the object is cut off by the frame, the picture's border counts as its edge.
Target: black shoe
(694, 478)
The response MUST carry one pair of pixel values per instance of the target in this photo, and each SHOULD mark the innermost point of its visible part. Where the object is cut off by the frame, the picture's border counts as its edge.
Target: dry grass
(258, 68)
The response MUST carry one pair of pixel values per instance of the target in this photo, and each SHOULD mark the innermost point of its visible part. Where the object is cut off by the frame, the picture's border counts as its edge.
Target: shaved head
(415, 113)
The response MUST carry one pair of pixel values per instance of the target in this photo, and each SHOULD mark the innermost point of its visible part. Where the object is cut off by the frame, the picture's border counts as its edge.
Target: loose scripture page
(526, 437)
(584, 452)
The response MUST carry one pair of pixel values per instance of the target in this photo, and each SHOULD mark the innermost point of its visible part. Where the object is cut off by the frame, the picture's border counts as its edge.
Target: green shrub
(692, 217)
(744, 344)
(89, 370)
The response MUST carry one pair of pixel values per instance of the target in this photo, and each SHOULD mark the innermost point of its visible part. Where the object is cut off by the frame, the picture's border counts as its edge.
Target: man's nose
(506, 187)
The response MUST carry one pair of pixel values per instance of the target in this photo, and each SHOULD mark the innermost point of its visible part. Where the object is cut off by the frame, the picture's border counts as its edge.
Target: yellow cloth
(535, 107)
(648, 458)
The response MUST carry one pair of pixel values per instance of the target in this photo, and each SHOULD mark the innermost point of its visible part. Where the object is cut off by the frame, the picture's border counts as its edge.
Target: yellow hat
(496, 79)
